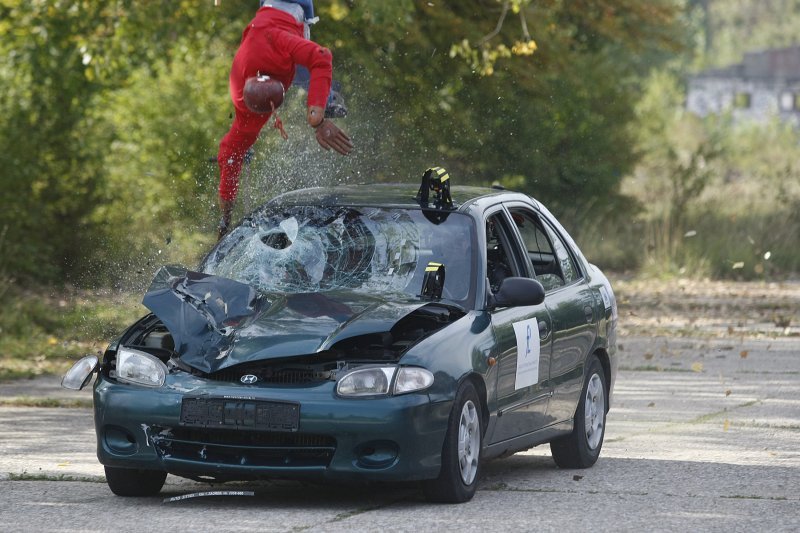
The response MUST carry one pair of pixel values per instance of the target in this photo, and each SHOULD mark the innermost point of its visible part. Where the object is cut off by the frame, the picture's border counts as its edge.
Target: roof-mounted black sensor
(435, 179)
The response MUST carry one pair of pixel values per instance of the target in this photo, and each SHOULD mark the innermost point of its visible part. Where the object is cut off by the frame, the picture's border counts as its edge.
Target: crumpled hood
(217, 322)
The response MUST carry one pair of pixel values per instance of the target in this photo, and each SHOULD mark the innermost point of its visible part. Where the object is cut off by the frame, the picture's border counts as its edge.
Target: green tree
(57, 59)
(113, 107)
(732, 28)
(557, 118)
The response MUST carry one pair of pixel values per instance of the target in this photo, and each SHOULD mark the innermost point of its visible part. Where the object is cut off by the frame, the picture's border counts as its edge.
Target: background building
(763, 85)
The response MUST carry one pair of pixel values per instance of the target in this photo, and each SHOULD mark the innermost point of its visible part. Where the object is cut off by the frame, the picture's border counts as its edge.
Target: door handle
(589, 312)
(544, 329)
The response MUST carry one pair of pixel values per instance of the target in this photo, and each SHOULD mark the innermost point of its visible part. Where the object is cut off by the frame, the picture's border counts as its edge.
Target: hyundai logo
(248, 379)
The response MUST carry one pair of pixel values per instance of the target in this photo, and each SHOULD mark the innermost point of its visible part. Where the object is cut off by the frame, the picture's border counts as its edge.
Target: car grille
(271, 375)
(243, 448)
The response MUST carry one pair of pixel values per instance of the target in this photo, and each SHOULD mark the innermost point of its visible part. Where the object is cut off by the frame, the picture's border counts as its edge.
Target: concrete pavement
(701, 436)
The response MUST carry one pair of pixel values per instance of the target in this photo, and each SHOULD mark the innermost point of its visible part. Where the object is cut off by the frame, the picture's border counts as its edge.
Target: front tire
(458, 478)
(581, 448)
(133, 482)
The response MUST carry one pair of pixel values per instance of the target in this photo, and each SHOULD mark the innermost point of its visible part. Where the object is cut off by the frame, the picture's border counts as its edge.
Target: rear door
(523, 340)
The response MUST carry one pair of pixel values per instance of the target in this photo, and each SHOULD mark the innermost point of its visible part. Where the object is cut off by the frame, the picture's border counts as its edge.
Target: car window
(499, 261)
(374, 250)
(565, 261)
(540, 249)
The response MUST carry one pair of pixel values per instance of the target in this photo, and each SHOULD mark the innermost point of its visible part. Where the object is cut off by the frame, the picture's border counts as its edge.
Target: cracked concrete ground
(704, 434)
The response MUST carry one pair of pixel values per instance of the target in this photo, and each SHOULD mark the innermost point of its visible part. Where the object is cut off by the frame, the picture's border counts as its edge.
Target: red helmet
(262, 94)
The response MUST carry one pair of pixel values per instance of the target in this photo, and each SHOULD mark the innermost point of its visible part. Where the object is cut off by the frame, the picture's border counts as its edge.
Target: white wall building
(764, 85)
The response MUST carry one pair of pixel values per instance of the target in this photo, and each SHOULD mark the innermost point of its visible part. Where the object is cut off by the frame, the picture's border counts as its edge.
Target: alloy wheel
(594, 411)
(469, 442)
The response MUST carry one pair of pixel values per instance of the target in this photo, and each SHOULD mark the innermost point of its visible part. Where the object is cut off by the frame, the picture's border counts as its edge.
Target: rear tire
(581, 448)
(458, 478)
(133, 482)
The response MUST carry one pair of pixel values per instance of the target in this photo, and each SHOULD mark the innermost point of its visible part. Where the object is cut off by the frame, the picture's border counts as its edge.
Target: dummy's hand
(330, 136)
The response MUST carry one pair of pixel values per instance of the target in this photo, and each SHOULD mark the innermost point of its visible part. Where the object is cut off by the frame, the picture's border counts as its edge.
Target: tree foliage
(556, 121)
(63, 63)
(729, 29)
(111, 110)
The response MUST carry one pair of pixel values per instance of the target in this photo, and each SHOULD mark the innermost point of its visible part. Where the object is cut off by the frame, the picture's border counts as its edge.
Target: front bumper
(384, 439)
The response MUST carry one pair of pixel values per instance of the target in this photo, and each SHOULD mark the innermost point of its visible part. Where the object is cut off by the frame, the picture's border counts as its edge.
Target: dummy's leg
(232, 150)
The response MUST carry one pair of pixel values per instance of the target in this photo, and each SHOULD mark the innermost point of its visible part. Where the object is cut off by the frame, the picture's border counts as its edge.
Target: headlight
(377, 381)
(140, 368)
(366, 381)
(410, 379)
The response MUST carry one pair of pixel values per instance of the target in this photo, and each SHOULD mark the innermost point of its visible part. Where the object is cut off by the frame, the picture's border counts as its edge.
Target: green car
(352, 333)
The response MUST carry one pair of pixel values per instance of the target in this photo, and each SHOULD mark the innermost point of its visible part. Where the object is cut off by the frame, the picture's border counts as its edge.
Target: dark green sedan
(358, 333)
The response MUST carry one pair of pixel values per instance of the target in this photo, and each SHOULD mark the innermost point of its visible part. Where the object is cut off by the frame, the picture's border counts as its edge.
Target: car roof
(384, 195)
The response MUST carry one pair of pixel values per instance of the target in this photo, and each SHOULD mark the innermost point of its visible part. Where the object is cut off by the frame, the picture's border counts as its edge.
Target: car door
(569, 301)
(522, 341)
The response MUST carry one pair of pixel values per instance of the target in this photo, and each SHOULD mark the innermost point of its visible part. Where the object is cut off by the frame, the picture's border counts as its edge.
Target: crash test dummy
(273, 44)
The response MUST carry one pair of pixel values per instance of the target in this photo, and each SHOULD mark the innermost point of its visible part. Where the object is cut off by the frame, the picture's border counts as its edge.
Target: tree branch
(486, 38)
(524, 23)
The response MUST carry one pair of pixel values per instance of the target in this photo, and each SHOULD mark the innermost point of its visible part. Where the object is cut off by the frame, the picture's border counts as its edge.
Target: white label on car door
(527, 333)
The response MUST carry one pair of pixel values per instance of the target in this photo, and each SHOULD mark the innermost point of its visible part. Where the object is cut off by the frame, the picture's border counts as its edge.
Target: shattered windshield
(368, 249)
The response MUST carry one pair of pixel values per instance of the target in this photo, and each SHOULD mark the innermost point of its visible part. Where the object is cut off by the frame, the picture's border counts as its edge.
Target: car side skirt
(527, 441)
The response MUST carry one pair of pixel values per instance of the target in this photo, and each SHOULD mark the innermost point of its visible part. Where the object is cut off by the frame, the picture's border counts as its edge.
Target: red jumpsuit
(272, 44)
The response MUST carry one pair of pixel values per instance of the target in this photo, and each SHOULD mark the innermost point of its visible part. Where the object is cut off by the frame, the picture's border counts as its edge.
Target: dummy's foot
(226, 207)
(222, 229)
(335, 107)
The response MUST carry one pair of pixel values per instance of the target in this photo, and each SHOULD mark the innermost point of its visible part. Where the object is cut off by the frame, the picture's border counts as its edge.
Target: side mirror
(517, 292)
(78, 376)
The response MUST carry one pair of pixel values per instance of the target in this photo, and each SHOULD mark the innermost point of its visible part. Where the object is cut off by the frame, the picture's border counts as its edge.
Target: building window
(788, 101)
(741, 101)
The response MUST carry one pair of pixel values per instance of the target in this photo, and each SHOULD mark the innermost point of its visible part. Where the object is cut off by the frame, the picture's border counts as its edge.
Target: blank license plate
(240, 414)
